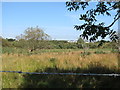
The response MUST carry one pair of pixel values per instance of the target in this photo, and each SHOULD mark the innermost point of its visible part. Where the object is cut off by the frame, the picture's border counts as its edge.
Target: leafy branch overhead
(91, 27)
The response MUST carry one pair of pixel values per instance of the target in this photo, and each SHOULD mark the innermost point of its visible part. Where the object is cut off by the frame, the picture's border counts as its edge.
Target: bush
(7, 50)
(115, 51)
(99, 52)
(6, 43)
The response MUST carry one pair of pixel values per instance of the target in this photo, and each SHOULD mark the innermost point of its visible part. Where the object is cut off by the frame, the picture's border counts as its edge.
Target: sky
(52, 17)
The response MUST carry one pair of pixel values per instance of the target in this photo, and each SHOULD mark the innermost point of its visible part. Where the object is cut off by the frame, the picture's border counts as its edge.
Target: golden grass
(63, 60)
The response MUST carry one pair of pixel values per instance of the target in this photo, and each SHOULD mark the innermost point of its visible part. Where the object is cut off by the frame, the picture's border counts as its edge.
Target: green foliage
(80, 40)
(32, 38)
(92, 45)
(10, 39)
(20, 44)
(6, 43)
(80, 43)
(7, 50)
(91, 29)
(12, 50)
(115, 51)
(99, 52)
(54, 44)
(35, 34)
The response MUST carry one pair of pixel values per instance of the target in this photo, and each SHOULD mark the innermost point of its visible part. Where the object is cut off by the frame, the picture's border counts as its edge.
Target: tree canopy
(92, 30)
(33, 34)
(33, 37)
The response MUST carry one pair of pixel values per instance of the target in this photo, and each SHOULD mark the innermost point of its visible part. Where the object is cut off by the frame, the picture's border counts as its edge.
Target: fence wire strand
(81, 74)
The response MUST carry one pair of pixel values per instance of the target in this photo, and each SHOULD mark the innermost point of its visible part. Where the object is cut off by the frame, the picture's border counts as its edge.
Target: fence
(81, 74)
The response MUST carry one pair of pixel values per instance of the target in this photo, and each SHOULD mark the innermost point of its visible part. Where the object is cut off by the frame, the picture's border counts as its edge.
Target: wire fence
(81, 74)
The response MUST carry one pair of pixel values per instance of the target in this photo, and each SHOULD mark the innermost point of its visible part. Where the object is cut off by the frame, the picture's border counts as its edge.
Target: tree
(21, 36)
(92, 30)
(80, 40)
(34, 36)
(11, 40)
(80, 43)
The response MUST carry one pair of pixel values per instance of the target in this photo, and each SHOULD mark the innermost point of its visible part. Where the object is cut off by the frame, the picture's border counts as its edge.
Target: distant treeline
(54, 44)
(35, 38)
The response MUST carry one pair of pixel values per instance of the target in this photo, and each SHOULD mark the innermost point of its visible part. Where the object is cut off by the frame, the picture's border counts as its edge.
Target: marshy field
(60, 61)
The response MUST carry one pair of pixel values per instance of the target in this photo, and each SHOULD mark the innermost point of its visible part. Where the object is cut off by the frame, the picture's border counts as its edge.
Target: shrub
(114, 50)
(99, 52)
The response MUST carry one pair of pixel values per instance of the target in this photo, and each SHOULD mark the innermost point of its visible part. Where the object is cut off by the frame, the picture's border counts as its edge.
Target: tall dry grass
(63, 60)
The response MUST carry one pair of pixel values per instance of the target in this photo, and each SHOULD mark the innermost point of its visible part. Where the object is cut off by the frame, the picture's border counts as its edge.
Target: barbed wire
(81, 74)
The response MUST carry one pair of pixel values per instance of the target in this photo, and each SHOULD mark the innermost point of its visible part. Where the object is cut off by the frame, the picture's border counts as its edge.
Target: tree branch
(114, 21)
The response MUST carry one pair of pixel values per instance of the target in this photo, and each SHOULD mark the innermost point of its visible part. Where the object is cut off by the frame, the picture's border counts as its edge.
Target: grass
(57, 61)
